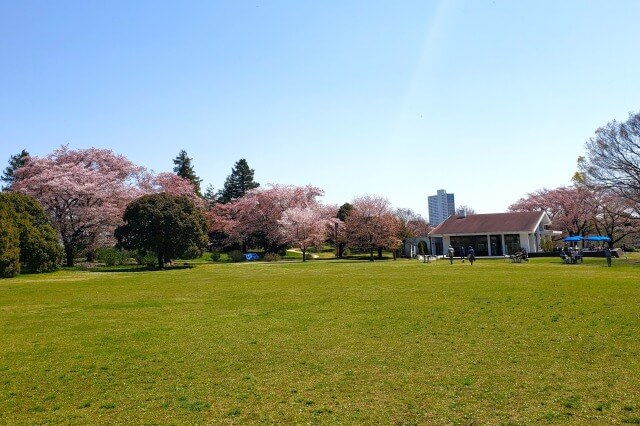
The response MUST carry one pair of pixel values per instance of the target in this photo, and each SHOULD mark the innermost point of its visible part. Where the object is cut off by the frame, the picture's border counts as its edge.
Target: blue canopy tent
(572, 239)
(597, 238)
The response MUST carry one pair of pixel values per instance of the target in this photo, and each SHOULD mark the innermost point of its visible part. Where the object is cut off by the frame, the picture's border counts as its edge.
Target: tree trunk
(371, 255)
(69, 253)
(160, 259)
(379, 252)
(341, 247)
(304, 255)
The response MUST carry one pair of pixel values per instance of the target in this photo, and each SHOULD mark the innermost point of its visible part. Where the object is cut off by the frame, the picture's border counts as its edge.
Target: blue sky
(487, 99)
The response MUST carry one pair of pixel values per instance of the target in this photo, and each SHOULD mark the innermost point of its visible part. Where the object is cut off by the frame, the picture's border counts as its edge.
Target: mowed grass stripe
(324, 341)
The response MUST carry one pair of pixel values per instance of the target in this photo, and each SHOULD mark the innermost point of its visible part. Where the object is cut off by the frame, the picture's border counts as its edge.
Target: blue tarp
(251, 256)
(597, 238)
(574, 238)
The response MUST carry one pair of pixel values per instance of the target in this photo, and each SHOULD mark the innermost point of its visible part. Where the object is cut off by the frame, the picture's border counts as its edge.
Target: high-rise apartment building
(441, 206)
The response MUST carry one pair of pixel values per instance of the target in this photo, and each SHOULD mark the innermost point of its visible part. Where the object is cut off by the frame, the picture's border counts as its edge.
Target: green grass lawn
(324, 342)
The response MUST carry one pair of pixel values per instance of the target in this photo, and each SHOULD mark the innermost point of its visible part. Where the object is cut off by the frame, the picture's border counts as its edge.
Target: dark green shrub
(192, 253)
(236, 256)
(111, 256)
(144, 258)
(9, 245)
(422, 247)
(271, 257)
(150, 260)
(40, 250)
(139, 256)
(546, 245)
(215, 256)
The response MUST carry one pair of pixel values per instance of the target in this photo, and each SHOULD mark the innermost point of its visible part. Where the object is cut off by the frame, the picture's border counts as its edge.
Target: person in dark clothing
(472, 255)
(461, 249)
(607, 254)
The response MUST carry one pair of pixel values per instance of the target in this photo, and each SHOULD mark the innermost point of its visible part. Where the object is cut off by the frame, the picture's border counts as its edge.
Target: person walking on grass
(461, 249)
(472, 255)
(450, 254)
(607, 254)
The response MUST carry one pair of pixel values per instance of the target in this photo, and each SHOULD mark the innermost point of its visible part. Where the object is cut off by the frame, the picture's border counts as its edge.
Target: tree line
(93, 198)
(604, 197)
(73, 201)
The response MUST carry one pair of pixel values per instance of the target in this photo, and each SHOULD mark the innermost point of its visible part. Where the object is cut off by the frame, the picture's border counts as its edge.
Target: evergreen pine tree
(238, 182)
(184, 169)
(210, 195)
(15, 162)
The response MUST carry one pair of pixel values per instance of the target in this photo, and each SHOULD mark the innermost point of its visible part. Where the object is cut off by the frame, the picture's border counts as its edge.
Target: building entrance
(496, 245)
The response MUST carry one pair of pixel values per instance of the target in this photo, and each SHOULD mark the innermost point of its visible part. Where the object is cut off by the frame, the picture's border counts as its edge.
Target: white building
(494, 234)
(441, 206)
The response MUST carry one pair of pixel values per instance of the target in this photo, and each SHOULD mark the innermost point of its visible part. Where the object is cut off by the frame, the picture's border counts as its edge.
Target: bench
(425, 258)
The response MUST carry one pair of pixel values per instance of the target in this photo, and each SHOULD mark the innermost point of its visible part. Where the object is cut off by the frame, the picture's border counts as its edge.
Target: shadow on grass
(367, 258)
(138, 268)
(345, 259)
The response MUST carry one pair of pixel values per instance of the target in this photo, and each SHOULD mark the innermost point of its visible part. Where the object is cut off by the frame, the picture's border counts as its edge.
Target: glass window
(478, 242)
(512, 241)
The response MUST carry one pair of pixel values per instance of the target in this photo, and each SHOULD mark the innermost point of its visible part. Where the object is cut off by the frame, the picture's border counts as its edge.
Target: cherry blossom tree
(255, 217)
(569, 208)
(411, 224)
(581, 210)
(613, 159)
(613, 216)
(220, 224)
(304, 227)
(419, 227)
(84, 192)
(371, 225)
(170, 184)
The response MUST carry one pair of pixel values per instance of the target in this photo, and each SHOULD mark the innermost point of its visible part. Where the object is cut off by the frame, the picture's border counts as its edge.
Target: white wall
(527, 242)
(446, 242)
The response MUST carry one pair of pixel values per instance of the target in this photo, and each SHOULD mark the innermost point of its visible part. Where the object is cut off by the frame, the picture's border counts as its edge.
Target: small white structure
(495, 234)
(410, 247)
